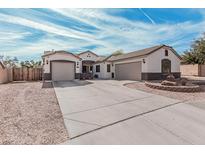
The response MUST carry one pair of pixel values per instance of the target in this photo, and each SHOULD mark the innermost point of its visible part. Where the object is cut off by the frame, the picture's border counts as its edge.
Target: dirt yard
(30, 114)
(190, 97)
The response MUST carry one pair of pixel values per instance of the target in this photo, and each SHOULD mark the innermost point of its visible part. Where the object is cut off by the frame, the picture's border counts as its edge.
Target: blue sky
(26, 33)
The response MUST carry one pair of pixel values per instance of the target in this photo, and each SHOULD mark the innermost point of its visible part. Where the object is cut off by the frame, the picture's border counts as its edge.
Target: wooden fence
(27, 74)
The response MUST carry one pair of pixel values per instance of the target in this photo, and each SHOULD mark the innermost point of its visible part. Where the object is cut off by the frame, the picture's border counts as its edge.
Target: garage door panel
(62, 71)
(128, 71)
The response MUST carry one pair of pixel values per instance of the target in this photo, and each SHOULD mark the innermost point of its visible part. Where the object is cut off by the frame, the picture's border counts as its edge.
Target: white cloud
(8, 36)
(137, 33)
(48, 43)
(113, 32)
(45, 26)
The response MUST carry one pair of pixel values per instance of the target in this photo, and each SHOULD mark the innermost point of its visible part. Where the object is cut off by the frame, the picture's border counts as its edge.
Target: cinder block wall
(3, 76)
(190, 70)
(201, 70)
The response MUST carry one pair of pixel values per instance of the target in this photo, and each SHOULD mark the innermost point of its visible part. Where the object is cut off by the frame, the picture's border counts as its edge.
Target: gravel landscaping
(193, 97)
(30, 114)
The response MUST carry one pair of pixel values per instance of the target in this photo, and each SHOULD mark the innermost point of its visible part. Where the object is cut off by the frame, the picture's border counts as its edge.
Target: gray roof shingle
(137, 53)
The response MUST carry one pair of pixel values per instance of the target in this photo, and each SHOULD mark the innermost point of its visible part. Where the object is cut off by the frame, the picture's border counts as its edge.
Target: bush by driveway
(195, 96)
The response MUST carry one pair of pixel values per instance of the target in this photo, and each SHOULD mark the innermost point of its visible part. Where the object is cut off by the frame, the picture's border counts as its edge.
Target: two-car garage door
(128, 71)
(62, 71)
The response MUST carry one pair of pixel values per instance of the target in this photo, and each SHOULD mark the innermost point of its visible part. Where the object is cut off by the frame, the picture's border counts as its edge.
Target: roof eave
(88, 51)
(60, 53)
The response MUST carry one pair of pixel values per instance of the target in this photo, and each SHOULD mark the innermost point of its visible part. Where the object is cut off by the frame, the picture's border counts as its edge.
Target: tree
(9, 61)
(30, 64)
(118, 52)
(196, 55)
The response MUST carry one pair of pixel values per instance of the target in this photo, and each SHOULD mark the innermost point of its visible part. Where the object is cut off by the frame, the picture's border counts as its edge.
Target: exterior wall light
(143, 60)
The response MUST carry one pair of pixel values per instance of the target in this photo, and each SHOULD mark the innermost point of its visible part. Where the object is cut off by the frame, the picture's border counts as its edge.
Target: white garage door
(128, 71)
(62, 71)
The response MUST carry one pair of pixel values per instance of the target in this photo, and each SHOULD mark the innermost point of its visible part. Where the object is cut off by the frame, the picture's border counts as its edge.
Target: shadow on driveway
(74, 83)
(47, 84)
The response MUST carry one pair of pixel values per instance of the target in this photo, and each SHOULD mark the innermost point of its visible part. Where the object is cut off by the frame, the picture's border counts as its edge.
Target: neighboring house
(147, 64)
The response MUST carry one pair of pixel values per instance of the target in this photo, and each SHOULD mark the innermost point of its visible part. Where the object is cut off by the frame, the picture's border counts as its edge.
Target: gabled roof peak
(89, 52)
(142, 52)
(48, 53)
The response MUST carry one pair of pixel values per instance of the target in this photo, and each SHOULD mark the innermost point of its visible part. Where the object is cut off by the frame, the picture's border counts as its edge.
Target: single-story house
(147, 64)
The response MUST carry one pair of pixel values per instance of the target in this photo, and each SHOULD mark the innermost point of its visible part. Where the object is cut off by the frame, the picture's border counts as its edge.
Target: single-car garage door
(128, 71)
(62, 71)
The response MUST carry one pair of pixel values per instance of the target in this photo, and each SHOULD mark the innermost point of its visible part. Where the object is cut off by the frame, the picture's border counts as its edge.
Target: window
(97, 68)
(84, 69)
(108, 67)
(166, 52)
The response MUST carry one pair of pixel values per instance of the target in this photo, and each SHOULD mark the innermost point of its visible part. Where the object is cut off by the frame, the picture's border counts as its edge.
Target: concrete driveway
(106, 112)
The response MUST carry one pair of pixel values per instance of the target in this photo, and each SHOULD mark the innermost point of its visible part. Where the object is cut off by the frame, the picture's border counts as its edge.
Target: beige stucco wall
(61, 56)
(192, 70)
(153, 61)
(5, 75)
(107, 75)
(88, 56)
(103, 74)
(189, 70)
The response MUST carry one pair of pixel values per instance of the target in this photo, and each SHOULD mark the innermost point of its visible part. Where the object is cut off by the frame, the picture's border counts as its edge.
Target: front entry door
(166, 66)
(84, 69)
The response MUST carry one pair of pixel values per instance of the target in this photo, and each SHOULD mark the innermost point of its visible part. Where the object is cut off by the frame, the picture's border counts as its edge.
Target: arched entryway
(87, 69)
(87, 66)
(166, 66)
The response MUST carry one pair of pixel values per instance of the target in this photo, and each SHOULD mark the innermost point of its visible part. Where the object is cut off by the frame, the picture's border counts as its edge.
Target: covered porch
(87, 69)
